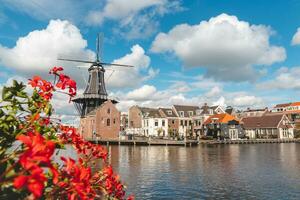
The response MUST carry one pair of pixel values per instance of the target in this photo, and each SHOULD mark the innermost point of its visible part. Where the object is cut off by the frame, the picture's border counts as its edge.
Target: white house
(268, 126)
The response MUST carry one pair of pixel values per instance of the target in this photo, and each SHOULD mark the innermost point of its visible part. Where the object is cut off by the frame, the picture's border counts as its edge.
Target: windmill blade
(99, 49)
(112, 64)
(74, 60)
(110, 75)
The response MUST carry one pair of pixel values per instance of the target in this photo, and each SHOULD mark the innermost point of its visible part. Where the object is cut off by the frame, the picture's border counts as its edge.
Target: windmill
(95, 92)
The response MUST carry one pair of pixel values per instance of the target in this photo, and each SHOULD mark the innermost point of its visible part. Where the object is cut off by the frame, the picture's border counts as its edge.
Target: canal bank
(160, 142)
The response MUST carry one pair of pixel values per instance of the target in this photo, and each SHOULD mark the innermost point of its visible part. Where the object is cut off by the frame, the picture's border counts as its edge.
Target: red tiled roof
(220, 118)
(265, 121)
(295, 104)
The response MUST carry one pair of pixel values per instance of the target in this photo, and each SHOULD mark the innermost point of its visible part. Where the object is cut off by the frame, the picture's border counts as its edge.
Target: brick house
(101, 123)
(268, 126)
(186, 116)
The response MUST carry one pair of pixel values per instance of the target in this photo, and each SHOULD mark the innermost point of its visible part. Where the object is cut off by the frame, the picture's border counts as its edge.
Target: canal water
(246, 171)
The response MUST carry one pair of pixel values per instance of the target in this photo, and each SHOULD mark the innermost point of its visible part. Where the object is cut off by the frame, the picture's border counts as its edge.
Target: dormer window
(181, 113)
(170, 112)
(191, 113)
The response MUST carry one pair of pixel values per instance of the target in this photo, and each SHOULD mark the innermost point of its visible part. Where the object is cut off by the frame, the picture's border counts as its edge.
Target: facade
(186, 116)
(173, 121)
(101, 123)
(147, 122)
(268, 126)
(155, 125)
(223, 126)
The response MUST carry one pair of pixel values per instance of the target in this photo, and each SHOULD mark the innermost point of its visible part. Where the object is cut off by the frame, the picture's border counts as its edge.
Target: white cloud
(119, 9)
(142, 93)
(296, 38)
(244, 101)
(227, 47)
(285, 78)
(131, 77)
(216, 90)
(38, 51)
(137, 19)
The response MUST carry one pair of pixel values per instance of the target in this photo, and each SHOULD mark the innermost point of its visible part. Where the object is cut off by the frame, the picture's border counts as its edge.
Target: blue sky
(239, 53)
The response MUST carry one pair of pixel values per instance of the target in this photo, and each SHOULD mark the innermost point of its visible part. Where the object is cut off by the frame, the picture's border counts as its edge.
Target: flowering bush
(29, 137)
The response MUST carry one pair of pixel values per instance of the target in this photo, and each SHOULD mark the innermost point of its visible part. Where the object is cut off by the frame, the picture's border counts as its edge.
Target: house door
(233, 134)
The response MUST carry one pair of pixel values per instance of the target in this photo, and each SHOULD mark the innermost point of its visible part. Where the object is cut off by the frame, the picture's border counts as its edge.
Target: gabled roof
(169, 112)
(186, 109)
(229, 110)
(220, 118)
(265, 121)
(282, 105)
(150, 112)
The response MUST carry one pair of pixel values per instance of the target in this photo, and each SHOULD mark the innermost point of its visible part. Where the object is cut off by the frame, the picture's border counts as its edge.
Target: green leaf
(6, 94)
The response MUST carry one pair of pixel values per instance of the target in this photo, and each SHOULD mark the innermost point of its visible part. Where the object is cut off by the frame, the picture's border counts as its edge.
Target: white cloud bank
(284, 78)
(39, 49)
(227, 47)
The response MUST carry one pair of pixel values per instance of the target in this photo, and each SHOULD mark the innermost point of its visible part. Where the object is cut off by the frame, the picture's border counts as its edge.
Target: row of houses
(194, 122)
(191, 122)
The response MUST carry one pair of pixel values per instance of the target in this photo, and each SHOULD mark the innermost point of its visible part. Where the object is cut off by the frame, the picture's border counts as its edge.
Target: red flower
(37, 154)
(76, 180)
(131, 197)
(45, 87)
(34, 82)
(34, 182)
(55, 70)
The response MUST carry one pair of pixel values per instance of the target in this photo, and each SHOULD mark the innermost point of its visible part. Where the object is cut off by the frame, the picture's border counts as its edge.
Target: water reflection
(253, 171)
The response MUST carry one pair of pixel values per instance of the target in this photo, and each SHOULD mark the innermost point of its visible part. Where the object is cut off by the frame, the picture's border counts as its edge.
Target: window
(173, 121)
(185, 122)
(191, 113)
(108, 122)
(163, 122)
(114, 121)
(131, 123)
(169, 112)
(181, 113)
(181, 122)
(108, 111)
(156, 123)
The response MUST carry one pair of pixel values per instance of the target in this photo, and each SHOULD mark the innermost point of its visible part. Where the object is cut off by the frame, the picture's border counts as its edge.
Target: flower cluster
(64, 81)
(76, 180)
(30, 171)
(37, 154)
(45, 88)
